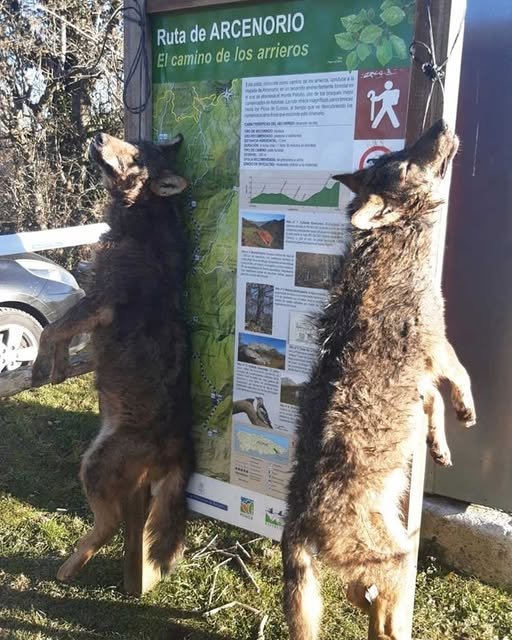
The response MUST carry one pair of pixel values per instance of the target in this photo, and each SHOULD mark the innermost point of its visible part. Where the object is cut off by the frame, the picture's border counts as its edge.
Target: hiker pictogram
(381, 106)
(389, 99)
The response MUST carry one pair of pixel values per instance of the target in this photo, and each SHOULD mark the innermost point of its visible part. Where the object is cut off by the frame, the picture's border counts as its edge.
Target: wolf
(134, 312)
(383, 350)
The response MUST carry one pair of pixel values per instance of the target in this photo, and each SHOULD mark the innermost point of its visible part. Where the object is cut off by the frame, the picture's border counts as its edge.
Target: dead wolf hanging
(383, 351)
(134, 311)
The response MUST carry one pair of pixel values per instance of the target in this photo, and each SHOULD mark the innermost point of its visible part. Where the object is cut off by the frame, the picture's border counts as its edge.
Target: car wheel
(19, 338)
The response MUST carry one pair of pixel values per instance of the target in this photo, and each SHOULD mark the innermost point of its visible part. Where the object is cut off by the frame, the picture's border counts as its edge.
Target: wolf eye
(383, 212)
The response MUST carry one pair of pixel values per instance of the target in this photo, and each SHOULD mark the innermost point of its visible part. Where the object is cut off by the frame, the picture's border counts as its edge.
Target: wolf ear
(172, 146)
(352, 180)
(373, 214)
(168, 184)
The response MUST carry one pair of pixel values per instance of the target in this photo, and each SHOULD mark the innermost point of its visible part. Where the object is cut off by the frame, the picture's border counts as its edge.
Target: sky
(262, 217)
(279, 345)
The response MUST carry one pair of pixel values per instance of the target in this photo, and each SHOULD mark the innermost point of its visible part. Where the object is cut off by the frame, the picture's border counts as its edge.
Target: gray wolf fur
(134, 312)
(372, 394)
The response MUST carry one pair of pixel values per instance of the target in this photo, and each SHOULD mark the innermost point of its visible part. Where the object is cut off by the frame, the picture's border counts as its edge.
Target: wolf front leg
(53, 355)
(446, 365)
(433, 406)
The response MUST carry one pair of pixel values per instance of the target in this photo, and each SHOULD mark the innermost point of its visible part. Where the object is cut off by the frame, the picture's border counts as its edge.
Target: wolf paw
(441, 456)
(466, 415)
(59, 374)
(69, 569)
(41, 370)
(464, 406)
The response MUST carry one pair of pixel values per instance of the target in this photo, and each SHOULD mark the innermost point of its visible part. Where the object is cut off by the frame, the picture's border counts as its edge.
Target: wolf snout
(442, 125)
(100, 139)
(440, 129)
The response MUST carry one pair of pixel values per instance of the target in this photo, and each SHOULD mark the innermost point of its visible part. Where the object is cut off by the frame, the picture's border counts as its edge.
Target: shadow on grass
(173, 632)
(101, 572)
(40, 453)
(87, 615)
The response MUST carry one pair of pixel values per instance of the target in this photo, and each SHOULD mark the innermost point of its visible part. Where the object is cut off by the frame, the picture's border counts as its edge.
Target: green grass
(43, 512)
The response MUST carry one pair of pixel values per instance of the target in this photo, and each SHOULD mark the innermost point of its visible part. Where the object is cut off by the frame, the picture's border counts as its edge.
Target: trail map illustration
(273, 99)
(207, 114)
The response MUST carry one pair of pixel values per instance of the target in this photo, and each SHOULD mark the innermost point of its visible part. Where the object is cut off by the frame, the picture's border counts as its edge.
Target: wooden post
(447, 19)
(136, 127)
(139, 574)
(13, 382)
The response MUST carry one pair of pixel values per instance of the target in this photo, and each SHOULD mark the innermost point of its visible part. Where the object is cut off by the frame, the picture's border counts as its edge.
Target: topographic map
(268, 446)
(208, 116)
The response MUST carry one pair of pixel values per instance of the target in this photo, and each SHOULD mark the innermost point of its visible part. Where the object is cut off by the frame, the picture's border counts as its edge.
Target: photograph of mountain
(263, 230)
(290, 390)
(262, 350)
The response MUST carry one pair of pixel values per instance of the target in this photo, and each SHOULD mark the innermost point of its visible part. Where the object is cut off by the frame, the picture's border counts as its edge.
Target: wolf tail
(302, 599)
(166, 521)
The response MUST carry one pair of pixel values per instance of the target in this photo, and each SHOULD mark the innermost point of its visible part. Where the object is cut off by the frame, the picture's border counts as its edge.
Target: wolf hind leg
(389, 574)
(107, 517)
(381, 569)
(388, 612)
(112, 469)
(302, 599)
(385, 605)
(433, 406)
(447, 365)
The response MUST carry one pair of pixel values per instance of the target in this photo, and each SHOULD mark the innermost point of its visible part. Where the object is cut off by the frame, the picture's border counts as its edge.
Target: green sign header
(298, 36)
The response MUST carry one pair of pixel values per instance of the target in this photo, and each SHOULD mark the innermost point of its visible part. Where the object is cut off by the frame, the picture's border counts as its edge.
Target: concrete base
(473, 539)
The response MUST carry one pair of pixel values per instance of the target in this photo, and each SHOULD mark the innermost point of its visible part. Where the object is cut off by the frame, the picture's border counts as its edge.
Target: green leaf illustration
(370, 34)
(371, 14)
(352, 61)
(363, 51)
(384, 52)
(392, 16)
(345, 41)
(353, 23)
(399, 47)
(388, 3)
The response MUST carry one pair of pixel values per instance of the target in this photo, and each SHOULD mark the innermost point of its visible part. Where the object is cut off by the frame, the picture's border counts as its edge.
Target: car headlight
(48, 271)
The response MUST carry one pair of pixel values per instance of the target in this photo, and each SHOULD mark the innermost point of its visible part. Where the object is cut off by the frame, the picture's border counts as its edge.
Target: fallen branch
(216, 573)
(261, 630)
(230, 605)
(241, 564)
(208, 551)
(242, 549)
(244, 568)
(212, 590)
(202, 551)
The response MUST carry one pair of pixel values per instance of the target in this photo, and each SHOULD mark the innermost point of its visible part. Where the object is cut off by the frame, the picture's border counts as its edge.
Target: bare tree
(60, 80)
(259, 300)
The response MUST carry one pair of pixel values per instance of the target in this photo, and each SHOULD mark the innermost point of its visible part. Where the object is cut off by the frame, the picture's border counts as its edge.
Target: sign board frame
(438, 22)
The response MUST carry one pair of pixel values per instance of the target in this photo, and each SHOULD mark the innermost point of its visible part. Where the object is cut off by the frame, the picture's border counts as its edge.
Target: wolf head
(134, 171)
(402, 185)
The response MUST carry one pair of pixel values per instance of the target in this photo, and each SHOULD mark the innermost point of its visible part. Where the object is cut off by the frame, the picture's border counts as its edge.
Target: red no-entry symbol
(372, 154)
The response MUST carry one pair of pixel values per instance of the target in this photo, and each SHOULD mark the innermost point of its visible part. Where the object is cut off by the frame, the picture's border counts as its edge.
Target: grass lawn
(43, 512)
